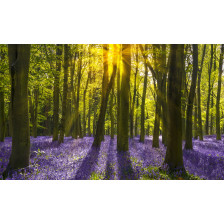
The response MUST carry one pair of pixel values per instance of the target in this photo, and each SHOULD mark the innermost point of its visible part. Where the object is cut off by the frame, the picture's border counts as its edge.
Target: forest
(111, 112)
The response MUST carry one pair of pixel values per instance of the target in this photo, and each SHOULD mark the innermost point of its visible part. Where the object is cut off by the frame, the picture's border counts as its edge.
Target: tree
(134, 97)
(124, 98)
(19, 59)
(174, 156)
(2, 98)
(56, 92)
(65, 89)
(104, 99)
(218, 133)
(142, 134)
(200, 132)
(209, 92)
(188, 143)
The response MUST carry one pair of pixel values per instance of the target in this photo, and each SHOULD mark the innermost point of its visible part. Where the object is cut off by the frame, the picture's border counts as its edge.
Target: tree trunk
(174, 156)
(77, 125)
(112, 113)
(209, 92)
(65, 89)
(200, 132)
(134, 97)
(104, 99)
(2, 114)
(195, 118)
(218, 133)
(142, 134)
(188, 143)
(19, 59)
(124, 98)
(56, 92)
(164, 100)
(155, 142)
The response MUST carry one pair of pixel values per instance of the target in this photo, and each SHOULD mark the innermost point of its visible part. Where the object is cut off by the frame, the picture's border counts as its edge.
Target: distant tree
(65, 89)
(142, 134)
(218, 133)
(200, 132)
(56, 92)
(188, 143)
(209, 92)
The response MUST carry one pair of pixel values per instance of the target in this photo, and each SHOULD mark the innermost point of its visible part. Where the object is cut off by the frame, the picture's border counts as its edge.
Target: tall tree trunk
(164, 94)
(104, 99)
(188, 143)
(211, 121)
(209, 92)
(142, 134)
(2, 114)
(155, 142)
(134, 97)
(195, 118)
(77, 125)
(136, 118)
(124, 98)
(65, 88)
(218, 133)
(174, 155)
(56, 92)
(112, 113)
(118, 98)
(200, 132)
(19, 59)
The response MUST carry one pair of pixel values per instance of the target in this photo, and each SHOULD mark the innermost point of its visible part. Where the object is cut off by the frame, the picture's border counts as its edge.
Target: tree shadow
(109, 174)
(87, 165)
(125, 170)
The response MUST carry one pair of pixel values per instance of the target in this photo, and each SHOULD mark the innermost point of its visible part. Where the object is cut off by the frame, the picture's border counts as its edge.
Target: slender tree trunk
(56, 92)
(2, 114)
(174, 155)
(65, 88)
(136, 119)
(77, 125)
(155, 142)
(218, 133)
(200, 132)
(211, 121)
(195, 118)
(142, 134)
(19, 59)
(134, 97)
(209, 92)
(118, 100)
(112, 113)
(164, 94)
(100, 123)
(188, 143)
(124, 98)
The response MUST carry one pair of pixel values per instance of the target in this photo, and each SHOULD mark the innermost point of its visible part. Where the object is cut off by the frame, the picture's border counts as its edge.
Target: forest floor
(76, 159)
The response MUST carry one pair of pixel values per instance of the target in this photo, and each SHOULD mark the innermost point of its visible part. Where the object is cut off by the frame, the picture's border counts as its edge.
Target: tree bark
(123, 144)
(209, 92)
(65, 90)
(134, 97)
(188, 143)
(104, 99)
(174, 155)
(19, 59)
(56, 92)
(142, 134)
(200, 132)
(218, 132)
